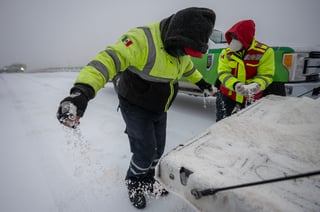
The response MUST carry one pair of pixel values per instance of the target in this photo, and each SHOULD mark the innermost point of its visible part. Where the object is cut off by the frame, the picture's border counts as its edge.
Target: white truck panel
(275, 137)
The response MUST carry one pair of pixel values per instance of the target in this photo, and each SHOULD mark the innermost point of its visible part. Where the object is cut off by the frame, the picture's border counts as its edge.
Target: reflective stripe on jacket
(253, 65)
(140, 51)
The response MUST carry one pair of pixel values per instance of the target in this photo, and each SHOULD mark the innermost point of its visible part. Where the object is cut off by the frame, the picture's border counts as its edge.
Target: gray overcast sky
(46, 33)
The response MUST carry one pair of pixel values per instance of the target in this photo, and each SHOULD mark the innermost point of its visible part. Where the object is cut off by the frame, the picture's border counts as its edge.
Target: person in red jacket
(245, 70)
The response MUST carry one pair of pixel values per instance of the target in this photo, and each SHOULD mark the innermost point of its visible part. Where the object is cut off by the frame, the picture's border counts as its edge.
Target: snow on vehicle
(297, 70)
(276, 137)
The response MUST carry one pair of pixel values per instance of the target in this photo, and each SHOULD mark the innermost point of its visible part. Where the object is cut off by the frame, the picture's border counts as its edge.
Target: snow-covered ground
(46, 167)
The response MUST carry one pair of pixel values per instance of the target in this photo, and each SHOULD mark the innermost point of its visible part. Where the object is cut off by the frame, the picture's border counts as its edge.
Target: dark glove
(73, 107)
(203, 85)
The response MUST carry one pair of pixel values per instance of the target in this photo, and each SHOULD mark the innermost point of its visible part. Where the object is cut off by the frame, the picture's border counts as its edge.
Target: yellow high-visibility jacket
(256, 64)
(148, 74)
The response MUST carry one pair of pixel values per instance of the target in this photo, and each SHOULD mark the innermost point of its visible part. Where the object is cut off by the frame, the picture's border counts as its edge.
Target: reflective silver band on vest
(148, 77)
(115, 59)
(151, 50)
(253, 57)
(101, 68)
(226, 78)
(263, 77)
(189, 72)
(145, 73)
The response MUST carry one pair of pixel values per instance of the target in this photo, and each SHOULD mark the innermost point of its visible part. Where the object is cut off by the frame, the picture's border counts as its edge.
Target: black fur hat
(190, 27)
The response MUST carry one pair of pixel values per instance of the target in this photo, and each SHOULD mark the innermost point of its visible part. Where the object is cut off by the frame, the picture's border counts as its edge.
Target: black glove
(203, 85)
(73, 107)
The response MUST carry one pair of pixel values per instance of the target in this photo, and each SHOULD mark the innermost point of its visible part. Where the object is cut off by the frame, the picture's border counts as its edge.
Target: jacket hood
(190, 27)
(244, 31)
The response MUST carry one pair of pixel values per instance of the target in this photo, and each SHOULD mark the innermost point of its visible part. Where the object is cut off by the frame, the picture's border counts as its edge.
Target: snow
(46, 167)
(274, 137)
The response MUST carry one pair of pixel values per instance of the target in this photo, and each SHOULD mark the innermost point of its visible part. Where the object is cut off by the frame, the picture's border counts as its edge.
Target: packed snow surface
(274, 137)
(46, 167)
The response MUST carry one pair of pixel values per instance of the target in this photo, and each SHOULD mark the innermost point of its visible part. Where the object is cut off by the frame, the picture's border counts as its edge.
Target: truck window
(217, 36)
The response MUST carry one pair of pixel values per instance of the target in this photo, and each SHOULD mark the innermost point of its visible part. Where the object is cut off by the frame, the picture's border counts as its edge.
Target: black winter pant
(226, 106)
(146, 131)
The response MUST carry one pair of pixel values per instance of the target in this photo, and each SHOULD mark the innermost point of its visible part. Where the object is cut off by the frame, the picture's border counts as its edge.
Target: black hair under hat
(190, 27)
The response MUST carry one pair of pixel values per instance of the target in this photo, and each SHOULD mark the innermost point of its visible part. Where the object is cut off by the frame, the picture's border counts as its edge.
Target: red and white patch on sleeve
(126, 41)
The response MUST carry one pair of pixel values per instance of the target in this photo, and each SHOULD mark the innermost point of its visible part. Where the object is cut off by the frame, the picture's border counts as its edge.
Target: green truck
(297, 71)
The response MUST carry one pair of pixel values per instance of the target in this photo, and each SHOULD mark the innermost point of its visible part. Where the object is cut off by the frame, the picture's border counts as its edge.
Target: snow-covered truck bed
(273, 138)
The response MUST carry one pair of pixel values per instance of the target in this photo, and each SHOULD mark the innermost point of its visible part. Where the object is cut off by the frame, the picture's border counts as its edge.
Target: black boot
(154, 187)
(136, 193)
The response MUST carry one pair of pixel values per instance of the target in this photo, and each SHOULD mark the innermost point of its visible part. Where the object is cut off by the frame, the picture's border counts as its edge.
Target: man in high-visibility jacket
(245, 69)
(145, 66)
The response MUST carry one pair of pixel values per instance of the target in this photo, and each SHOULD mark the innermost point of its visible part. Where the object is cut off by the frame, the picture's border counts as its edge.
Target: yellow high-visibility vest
(141, 51)
(254, 65)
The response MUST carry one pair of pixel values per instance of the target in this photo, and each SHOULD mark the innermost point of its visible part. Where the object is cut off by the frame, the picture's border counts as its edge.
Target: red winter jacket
(253, 63)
